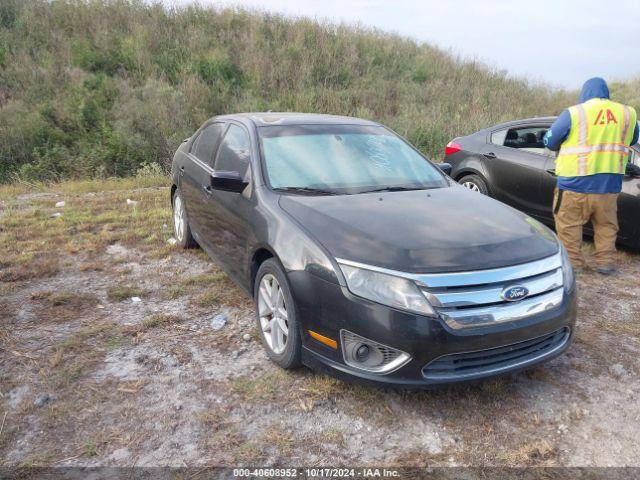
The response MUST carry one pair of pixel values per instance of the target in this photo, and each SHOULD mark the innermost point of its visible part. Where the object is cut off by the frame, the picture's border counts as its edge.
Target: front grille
(476, 299)
(495, 360)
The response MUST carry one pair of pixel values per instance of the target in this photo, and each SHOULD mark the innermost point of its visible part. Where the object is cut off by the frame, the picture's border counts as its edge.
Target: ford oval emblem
(513, 294)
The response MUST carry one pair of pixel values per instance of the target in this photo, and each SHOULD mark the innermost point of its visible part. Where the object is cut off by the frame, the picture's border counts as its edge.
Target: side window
(498, 137)
(526, 138)
(204, 147)
(234, 152)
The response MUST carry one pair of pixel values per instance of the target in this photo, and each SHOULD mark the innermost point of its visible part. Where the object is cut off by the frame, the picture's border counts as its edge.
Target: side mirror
(445, 167)
(228, 181)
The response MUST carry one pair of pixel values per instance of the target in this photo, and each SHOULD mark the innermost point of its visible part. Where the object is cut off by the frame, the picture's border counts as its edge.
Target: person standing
(593, 139)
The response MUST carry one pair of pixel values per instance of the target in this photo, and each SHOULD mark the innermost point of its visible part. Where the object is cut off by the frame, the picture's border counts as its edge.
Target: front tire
(276, 315)
(475, 183)
(181, 229)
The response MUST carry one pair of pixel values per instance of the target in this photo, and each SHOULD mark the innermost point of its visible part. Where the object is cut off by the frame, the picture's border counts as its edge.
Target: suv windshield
(343, 159)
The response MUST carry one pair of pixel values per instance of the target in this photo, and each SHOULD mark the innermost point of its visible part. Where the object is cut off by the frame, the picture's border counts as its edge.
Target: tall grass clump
(99, 88)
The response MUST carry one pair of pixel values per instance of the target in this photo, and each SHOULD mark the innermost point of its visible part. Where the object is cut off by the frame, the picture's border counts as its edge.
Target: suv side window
(234, 152)
(529, 139)
(204, 147)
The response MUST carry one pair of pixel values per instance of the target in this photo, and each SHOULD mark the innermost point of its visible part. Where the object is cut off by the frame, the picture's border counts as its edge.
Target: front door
(518, 157)
(228, 229)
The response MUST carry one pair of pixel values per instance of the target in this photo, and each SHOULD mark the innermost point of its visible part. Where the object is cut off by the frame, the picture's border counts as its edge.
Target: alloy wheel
(178, 218)
(471, 186)
(272, 311)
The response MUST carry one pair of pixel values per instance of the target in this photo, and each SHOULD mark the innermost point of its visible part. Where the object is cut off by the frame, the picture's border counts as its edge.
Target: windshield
(343, 159)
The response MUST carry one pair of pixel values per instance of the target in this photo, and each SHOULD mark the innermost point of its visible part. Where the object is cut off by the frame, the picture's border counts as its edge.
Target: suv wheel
(181, 228)
(276, 315)
(475, 183)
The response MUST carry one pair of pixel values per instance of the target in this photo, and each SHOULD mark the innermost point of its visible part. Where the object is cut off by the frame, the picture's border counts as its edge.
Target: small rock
(165, 226)
(131, 202)
(219, 321)
(136, 299)
(100, 306)
(234, 354)
(43, 399)
(246, 337)
(172, 241)
(56, 215)
(61, 203)
(562, 429)
(617, 370)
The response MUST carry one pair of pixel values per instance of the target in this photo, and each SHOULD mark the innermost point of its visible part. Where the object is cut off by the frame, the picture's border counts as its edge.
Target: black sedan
(342, 233)
(509, 162)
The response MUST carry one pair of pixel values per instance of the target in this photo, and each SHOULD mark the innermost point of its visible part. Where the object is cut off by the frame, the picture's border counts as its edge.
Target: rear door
(227, 229)
(195, 175)
(516, 158)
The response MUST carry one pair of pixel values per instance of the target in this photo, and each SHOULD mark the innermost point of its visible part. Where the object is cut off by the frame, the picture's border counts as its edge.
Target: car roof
(513, 123)
(264, 119)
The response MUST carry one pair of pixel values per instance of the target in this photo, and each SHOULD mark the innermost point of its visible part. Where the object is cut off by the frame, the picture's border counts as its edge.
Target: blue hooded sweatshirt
(600, 182)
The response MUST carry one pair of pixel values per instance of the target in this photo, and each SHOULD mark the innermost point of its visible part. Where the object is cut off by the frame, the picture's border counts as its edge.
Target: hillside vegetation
(100, 88)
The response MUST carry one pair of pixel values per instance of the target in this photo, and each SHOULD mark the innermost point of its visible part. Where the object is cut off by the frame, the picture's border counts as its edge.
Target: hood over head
(594, 88)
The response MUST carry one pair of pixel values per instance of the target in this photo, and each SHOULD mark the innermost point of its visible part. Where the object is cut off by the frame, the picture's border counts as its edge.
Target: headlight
(387, 289)
(567, 269)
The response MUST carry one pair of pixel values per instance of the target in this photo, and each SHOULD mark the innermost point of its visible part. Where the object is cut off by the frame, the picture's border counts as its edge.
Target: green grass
(124, 292)
(159, 320)
(109, 88)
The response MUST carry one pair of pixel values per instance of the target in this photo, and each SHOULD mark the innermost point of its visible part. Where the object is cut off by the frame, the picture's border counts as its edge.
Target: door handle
(207, 189)
(489, 155)
(551, 171)
(181, 169)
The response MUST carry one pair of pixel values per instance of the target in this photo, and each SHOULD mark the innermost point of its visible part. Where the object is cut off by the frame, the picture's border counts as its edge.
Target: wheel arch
(260, 254)
(174, 187)
(470, 165)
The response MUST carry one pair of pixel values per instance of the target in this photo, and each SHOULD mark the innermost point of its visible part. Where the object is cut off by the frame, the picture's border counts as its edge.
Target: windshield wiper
(309, 190)
(393, 189)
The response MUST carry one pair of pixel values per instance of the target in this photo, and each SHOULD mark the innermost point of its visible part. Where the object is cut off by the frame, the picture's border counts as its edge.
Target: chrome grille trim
(495, 275)
(491, 294)
(458, 319)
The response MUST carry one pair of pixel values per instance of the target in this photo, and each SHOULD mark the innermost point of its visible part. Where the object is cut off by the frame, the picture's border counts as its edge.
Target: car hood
(422, 231)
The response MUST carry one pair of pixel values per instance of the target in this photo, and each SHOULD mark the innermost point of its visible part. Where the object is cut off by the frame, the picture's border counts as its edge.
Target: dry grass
(61, 338)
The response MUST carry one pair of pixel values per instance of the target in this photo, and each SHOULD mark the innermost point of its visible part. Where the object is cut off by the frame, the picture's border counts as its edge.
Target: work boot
(606, 270)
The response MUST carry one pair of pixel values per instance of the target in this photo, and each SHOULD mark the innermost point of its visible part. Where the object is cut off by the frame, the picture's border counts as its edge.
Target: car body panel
(525, 180)
(414, 232)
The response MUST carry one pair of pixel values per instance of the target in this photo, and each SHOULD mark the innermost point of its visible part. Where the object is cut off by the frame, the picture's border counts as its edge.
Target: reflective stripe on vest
(598, 141)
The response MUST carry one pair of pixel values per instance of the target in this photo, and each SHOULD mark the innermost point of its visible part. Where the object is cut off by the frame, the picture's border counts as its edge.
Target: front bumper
(326, 308)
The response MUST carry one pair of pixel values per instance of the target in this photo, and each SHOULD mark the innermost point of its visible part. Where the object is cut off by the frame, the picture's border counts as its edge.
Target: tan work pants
(572, 210)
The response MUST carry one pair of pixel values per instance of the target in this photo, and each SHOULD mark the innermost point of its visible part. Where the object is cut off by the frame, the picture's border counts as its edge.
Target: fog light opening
(362, 352)
(365, 354)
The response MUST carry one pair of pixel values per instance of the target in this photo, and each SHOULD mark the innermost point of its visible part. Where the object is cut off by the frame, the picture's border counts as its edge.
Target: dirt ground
(90, 377)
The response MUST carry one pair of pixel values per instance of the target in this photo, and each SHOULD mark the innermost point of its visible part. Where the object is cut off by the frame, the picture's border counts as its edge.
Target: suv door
(227, 230)
(517, 160)
(196, 171)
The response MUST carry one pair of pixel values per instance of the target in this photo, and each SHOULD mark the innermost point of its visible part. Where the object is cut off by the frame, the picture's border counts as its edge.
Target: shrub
(109, 87)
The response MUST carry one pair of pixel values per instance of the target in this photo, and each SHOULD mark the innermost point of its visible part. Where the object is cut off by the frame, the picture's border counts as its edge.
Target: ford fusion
(363, 258)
